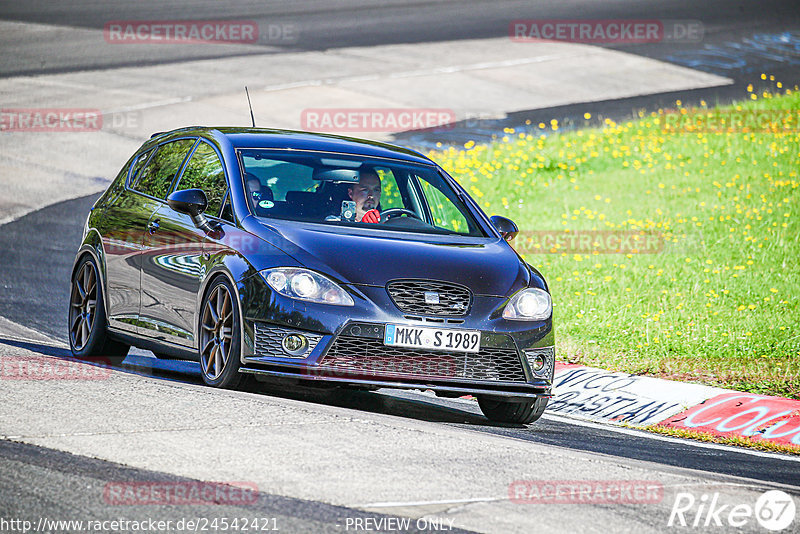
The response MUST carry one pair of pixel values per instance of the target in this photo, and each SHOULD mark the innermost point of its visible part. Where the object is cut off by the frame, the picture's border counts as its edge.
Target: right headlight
(530, 304)
(303, 284)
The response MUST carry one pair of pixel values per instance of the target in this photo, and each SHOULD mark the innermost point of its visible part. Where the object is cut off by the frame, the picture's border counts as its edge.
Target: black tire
(521, 413)
(87, 324)
(219, 341)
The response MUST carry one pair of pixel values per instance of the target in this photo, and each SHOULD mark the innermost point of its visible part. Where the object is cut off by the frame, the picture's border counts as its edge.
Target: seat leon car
(316, 258)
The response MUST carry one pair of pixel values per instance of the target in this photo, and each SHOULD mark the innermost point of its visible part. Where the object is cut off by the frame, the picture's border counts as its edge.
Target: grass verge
(709, 290)
(737, 441)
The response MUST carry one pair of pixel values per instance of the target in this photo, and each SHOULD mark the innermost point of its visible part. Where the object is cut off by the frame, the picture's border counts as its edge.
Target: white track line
(682, 486)
(449, 69)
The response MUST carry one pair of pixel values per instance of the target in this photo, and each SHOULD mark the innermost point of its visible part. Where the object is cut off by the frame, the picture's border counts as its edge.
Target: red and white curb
(604, 396)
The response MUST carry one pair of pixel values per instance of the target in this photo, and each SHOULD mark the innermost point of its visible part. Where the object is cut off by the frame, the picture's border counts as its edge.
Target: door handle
(153, 227)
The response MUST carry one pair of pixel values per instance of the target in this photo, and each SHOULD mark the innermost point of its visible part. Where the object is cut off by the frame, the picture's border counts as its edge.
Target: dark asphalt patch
(36, 264)
(40, 482)
(634, 446)
(332, 24)
(638, 445)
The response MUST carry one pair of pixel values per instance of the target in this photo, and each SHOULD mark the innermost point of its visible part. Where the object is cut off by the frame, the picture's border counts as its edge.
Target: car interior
(313, 188)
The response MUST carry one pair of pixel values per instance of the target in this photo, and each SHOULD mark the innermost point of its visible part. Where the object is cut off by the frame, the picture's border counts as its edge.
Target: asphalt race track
(51, 484)
(25, 239)
(330, 24)
(39, 478)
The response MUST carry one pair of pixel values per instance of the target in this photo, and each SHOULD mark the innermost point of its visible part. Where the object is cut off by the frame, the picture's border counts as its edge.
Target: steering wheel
(396, 212)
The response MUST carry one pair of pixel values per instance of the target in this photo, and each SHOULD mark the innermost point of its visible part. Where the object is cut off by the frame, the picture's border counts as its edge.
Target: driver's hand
(372, 216)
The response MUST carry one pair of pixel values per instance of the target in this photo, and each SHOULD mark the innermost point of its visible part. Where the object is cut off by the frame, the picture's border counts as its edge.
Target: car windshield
(341, 190)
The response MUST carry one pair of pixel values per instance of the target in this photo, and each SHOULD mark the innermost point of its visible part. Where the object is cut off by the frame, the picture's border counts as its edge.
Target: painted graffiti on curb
(600, 395)
(743, 414)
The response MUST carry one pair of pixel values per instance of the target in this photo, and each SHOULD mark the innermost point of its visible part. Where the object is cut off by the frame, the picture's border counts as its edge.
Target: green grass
(736, 441)
(718, 303)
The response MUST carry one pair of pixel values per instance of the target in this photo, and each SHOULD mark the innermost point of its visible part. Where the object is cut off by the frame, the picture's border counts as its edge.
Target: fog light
(294, 344)
(541, 361)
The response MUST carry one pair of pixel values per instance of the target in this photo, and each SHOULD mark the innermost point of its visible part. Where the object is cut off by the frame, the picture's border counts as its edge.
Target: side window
(156, 177)
(138, 164)
(280, 177)
(118, 184)
(390, 194)
(204, 171)
(445, 214)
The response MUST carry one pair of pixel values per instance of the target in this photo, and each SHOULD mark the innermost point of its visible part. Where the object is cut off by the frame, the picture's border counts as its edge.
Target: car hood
(488, 266)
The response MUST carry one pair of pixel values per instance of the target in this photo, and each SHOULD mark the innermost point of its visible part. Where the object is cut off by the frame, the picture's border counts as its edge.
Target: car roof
(241, 137)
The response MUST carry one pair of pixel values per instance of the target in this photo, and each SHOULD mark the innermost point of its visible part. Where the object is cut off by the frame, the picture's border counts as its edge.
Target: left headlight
(302, 284)
(530, 304)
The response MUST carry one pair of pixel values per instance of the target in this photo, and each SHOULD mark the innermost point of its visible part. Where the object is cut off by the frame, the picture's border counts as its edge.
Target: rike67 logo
(774, 510)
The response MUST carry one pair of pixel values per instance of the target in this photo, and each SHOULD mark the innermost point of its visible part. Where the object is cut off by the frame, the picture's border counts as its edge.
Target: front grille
(410, 297)
(268, 340)
(359, 356)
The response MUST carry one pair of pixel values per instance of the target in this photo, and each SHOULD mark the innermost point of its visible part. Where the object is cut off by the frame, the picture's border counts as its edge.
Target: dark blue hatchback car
(312, 257)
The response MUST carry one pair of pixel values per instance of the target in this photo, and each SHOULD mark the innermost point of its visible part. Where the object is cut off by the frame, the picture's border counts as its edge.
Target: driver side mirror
(507, 228)
(192, 202)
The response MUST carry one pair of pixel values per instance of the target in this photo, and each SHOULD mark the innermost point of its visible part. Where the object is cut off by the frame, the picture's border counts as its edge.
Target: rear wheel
(88, 335)
(220, 336)
(512, 412)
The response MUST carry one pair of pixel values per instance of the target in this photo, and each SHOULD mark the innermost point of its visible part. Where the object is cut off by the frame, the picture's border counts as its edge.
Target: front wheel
(88, 336)
(220, 337)
(521, 413)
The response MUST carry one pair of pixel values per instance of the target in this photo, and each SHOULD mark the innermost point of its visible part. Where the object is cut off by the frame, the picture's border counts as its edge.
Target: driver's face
(366, 193)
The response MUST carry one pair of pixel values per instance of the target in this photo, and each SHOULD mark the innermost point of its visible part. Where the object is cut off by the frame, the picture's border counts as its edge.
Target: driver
(367, 195)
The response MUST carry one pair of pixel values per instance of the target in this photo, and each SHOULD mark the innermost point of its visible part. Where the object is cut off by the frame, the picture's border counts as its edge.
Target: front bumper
(349, 349)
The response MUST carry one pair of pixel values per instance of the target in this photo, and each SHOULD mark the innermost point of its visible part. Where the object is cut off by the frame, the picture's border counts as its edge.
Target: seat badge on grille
(431, 297)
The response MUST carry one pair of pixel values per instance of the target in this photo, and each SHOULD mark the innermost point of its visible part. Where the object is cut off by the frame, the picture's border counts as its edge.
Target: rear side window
(204, 171)
(280, 177)
(138, 164)
(156, 176)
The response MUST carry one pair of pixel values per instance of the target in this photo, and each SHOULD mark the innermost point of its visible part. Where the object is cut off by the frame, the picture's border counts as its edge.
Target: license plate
(420, 337)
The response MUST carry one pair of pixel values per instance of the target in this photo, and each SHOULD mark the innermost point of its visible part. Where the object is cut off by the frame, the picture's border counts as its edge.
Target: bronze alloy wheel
(83, 306)
(88, 333)
(216, 337)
